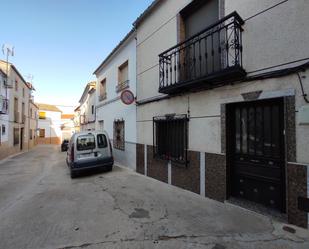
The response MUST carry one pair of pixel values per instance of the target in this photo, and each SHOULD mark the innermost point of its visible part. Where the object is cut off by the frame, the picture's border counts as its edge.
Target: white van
(89, 150)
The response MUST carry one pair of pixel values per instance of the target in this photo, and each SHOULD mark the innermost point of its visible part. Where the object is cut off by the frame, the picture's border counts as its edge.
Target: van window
(85, 142)
(102, 143)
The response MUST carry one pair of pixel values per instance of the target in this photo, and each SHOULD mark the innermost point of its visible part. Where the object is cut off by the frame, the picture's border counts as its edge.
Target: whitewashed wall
(52, 124)
(116, 109)
(274, 37)
(112, 108)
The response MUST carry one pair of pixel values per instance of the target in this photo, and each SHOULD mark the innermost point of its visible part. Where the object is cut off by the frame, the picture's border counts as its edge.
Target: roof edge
(147, 11)
(126, 38)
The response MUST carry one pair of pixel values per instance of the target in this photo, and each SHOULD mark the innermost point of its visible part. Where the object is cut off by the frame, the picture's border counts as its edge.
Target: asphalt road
(41, 207)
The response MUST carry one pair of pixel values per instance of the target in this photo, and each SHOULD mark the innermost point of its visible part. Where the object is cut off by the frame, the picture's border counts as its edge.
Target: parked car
(64, 145)
(89, 150)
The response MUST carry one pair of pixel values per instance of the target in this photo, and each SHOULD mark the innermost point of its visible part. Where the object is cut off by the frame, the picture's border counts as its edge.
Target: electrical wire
(302, 89)
(263, 11)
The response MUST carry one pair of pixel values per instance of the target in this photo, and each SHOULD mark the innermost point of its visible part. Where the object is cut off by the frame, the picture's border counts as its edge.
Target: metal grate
(119, 139)
(170, 138)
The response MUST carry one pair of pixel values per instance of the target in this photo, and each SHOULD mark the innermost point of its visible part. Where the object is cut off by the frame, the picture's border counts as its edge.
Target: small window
(123, 77)
(102, 92)
(101, 139)
(30, 134)
(171, 137)
(92, 109)
(16, 136)
(3, 129)
(118, 140)
(16, 85)
(23, 92)
(85, 142)
(42, 133)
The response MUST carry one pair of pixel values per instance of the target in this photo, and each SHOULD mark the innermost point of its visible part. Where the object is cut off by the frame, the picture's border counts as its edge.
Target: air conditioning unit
(4, 105)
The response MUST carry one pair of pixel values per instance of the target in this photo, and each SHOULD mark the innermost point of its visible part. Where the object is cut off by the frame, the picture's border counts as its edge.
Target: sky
(61, 42)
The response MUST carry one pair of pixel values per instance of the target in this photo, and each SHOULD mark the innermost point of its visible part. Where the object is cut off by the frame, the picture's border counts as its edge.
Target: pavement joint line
(214, 240)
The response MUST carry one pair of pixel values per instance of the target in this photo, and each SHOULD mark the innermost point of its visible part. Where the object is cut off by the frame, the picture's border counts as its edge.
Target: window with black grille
(171, 138)
(118, 140)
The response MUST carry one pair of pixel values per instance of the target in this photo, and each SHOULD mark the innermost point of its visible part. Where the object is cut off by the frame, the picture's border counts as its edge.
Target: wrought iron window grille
(122, 85)
(170, 138)
(119, 134)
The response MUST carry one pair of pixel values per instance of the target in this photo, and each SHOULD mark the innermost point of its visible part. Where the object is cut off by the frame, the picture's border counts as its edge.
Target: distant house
(49, 124)
(76, 119)
(67, 125)
(87, 107)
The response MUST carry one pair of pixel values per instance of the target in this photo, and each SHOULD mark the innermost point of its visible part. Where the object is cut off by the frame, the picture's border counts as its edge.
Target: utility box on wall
(303, 115)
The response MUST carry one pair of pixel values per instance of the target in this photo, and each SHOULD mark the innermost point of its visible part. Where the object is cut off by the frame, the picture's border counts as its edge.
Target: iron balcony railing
(4, 105)
(102, 96)
(122, 85)
(212, 56)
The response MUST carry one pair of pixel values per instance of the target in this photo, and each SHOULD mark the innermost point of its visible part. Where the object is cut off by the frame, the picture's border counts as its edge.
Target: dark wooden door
(21, 138)
(257, 152)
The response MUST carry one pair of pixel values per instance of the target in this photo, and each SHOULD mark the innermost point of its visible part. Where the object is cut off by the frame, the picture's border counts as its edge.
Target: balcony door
(201, 54)
(199, 15)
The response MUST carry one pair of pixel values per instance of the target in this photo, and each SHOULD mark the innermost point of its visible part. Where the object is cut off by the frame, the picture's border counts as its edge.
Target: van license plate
(85, 155)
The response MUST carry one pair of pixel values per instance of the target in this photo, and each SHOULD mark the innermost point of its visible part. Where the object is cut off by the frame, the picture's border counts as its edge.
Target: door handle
(95, 154)
(254, 161)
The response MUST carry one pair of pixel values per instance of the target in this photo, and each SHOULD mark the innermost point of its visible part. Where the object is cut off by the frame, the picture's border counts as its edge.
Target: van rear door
(85, 148)
(103, 146)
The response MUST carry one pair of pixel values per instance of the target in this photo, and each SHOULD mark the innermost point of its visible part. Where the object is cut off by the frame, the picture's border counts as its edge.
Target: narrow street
(41, 207)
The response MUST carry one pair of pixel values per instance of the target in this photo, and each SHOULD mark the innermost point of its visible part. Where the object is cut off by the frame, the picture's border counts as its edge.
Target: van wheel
(73, 174)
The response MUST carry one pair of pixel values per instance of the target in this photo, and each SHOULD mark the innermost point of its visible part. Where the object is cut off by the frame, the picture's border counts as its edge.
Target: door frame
(21, 138)
(229, 127)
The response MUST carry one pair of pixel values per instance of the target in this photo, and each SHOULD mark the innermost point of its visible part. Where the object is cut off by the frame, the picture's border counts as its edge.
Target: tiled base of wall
(297, 187)
(206, 175)
(215, 176)
(49, 140)
(187, 177)
(156, 168)
(6, 150)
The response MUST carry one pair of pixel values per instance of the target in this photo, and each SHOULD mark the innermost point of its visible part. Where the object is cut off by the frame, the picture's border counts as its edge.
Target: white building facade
(221, 100)
(49, 124)
(116, 74)
(14, 118)
(4, 114)
(87, 107)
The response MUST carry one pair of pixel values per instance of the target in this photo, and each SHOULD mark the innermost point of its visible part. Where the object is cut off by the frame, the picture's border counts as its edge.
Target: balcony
(122, 85)
(83, 119)
(102, 97)
(4, 105)
(211, 58)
